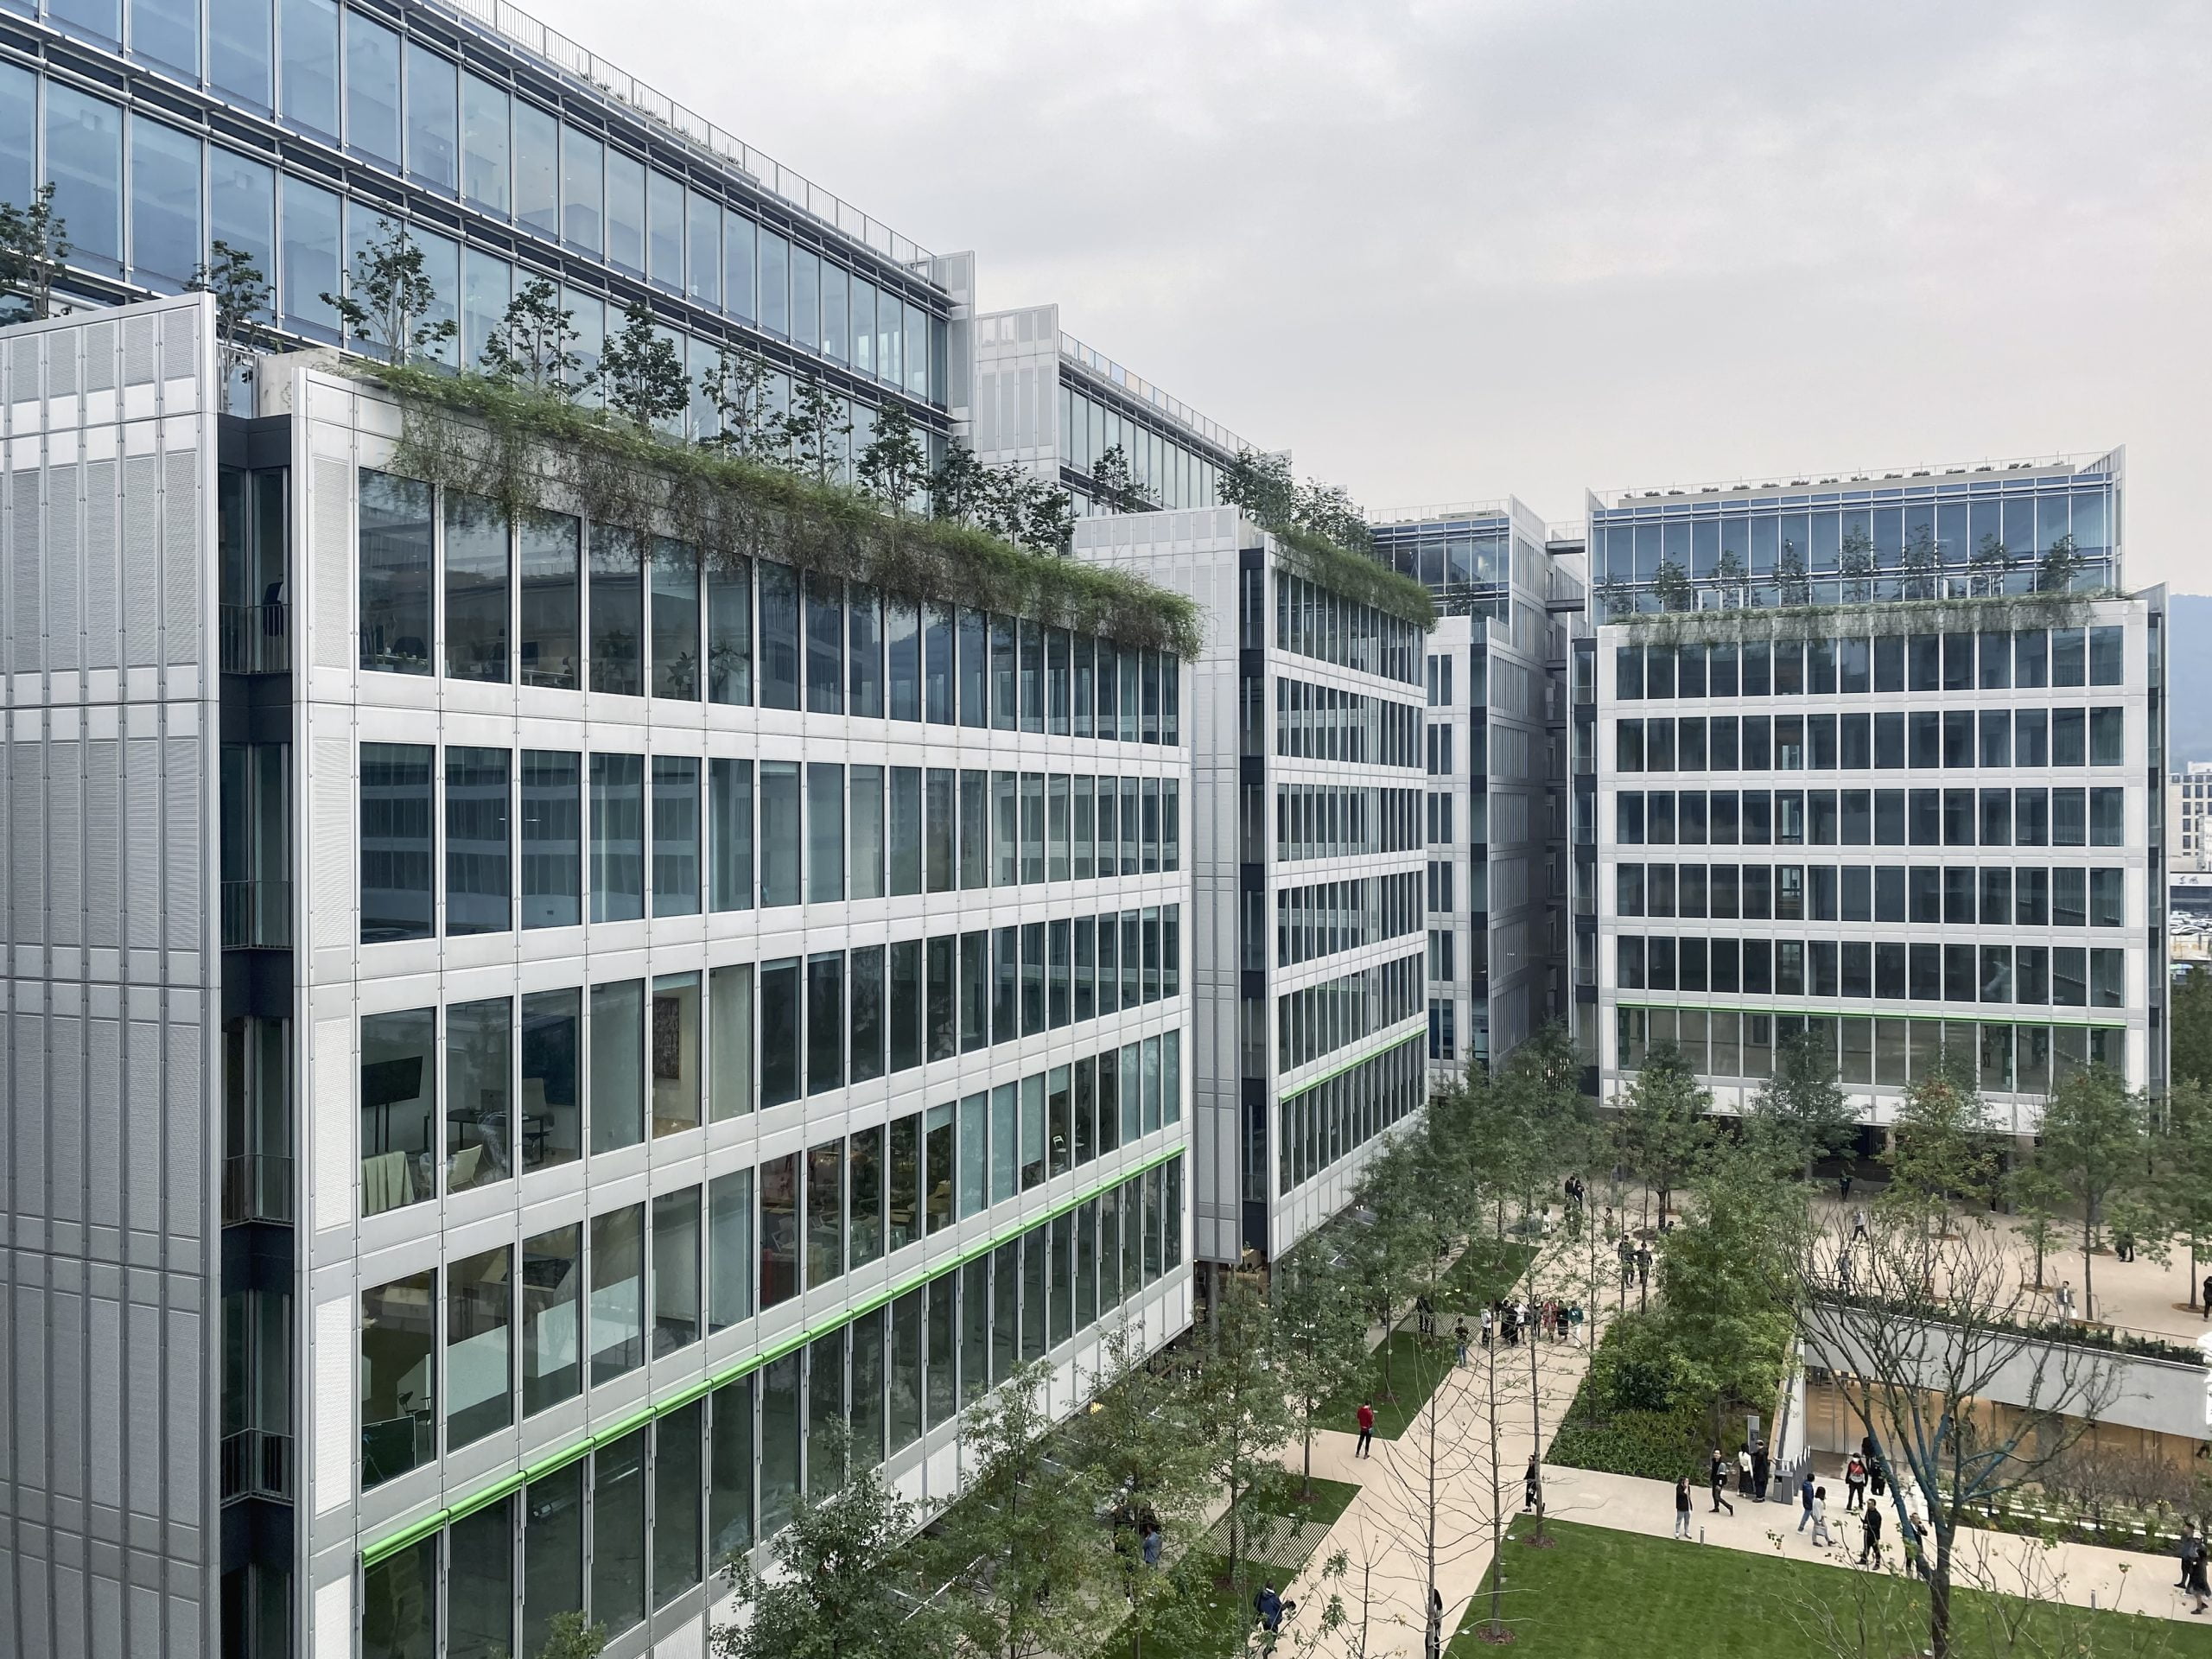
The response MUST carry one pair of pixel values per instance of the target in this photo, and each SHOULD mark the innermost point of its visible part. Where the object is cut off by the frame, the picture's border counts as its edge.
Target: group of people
(1636, 1261)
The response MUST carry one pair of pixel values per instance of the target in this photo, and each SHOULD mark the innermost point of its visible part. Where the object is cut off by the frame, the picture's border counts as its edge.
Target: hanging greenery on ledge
(1355, 576)
(1948, 615)
(525, 448)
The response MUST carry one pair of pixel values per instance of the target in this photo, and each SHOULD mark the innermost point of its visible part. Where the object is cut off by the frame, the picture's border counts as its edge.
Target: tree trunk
(1307, 1493)
(2088, 1251)
(1939, 1601)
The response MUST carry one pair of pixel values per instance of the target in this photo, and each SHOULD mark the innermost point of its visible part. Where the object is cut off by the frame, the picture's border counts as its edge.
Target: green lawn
(1600, 1595)
(1403, 1372)
(1218, 1616)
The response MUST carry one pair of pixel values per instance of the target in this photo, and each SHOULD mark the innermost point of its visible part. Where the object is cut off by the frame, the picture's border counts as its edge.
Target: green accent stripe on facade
(1355, 1063)
(1801, 1012)
(393, 1542)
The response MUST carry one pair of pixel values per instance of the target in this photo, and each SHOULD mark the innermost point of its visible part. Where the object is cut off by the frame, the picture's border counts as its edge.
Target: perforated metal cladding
(142, 843)
(332, 518)
(100, 578)
(142, 558)
(65, 845)
(180, 554)
(65, 1060)
(137, 351)
(99, 357)
(183, 848)
(103, 845)
(23, 376)
(60, 563)
(26, 834)
(331, 770)
(180, 344)
(26, 617)
(61, 363)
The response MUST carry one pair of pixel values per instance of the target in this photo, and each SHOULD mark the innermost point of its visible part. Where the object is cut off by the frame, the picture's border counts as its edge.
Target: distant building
(2189, 802)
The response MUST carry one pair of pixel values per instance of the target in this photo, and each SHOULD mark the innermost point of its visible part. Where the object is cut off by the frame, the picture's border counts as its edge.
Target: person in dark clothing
(1805, 1500)
(1532, 1485)
(1762, 1471)
(1682, 1509)
(1366, 1430)
(1268, 1606)
(1717, 1476)
(1843, 1186)
(1870, 1521)
(1425, 1316)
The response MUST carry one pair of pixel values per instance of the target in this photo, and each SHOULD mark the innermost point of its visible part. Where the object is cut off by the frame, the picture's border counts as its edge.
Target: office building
(1494, 753)
(1046, 403)
(1305, 856)
(1863, 772)
(2188, 809)
(486, 1092)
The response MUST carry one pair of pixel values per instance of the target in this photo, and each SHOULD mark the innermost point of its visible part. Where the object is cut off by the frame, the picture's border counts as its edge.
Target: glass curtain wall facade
(1046, 402)
(292, 129)
(1307, 864)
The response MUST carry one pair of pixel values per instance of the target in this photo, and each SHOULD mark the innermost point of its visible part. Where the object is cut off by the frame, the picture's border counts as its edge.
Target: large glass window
(551, 1125)
(548, 545)
(665, 213)
(676, 619)
(729, 1090)
(618, 1284)
(729, 1249)
(729, 808)
(433, 118)
(309, 269)
(583, 190)
(479, 1057)
(778, 1031)
(479, 1355)
(478, 886)
(825, 1018)
(552, 1289)
(400, 1604)
(618, 1533)
(825, 1212)
(399, 1377)
(729, 1494)
(779, 833)
(167, 244)
(484, 144)
(476, 588)
(618, 1107)
(618, 837)
(399, 1109)
(676, 1270)
(779, 1240)
(676, 834)
(480, 1578)
(396, 888)
(242, 208)
(85, 162)
(617, 612)
(780, 637)
(371, 87)
(729, 631)
(552, 1552)
(396, 559)
(486, 284)
(625, 211)
(675, 1053)
(536, 169)
(308, 31)
(679, 1536)
(239, 53)
(552, 838)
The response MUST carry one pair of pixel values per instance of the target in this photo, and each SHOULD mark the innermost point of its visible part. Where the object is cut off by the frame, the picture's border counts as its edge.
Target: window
(618, 837)
(433, 119)
(399, 1109)
(617, 612)
(676, 836)
(678, 1528)
(396, 892)
(166, 245)
(552, 849)
(552, 1551)
(550, 543)
(779, 1241)
(477, 882)
(399, 1378)
(617, 1113)
(675, 1053)
(395, 556)
(617, 1273)
(308, 262)
(483, 139)
(480, 1383)
(674, 620)
(618, 1533)
(480, 1051)
(308, 84)
(552, 1122)
(676, 1270)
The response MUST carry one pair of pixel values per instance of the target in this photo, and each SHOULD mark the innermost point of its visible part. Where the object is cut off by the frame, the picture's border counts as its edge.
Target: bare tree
(1937, 1355)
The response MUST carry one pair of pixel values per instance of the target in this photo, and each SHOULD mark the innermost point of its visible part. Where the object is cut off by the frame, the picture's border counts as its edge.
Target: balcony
(257, 1187)
(256, 915)
(256, 638)
(257, 1462)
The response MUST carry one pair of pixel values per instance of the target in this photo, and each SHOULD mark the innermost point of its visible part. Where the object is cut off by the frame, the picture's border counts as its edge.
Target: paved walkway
(1389, 1530)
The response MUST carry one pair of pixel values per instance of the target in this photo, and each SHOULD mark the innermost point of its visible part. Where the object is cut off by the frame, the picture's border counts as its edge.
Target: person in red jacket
(1366, 1429)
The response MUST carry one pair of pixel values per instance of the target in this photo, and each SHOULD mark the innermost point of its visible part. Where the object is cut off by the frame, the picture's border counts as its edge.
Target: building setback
(1307, 862)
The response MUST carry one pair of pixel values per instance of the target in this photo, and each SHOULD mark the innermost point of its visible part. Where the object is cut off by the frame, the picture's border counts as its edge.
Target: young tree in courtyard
(1239, 1401)
(2189, 1014)
(1916, 1353)
(1942, 1146)
(1385, 1245)
(388, 299)
(2182, 1183)
(1320, 1336)
(34, 248)
(1022, 1551)
(1664, 1124)
(837, 1589)
(2093, 1146)
(1724, 1327)
(1800, 1111)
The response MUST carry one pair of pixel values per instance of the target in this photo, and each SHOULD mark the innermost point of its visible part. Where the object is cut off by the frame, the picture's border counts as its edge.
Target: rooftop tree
(389, 300)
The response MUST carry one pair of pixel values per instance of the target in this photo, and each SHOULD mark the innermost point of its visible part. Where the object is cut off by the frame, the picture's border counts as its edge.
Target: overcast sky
(1447, 252)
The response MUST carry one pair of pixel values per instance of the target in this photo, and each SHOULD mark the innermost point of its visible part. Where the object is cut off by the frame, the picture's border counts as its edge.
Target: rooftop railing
(1152, 396)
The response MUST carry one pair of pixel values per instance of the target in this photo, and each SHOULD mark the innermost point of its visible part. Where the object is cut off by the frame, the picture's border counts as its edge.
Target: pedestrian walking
(1682, 1509)
(1490, 1318)
(1512, 1324)
(1532, 1484)
(1805, 1495)
(1717, 1477)
(1843, 1186)
(1855, 1484)
(1877, 1482)
(1425, 1316)
(1151, 1544)
(2191, 1549)
(1459, 1340)
(2195, 1559)
(2065, 1297)
(1843, 1271)
(2123, 1245)
(2205, 1299)
(1822, 1536)
(1870, 1533)
(1857, 1225)
(1366, 1429)
(1269, 1605)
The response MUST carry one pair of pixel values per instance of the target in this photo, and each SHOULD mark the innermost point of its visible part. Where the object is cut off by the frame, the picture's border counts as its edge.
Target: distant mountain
(2189, 679)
